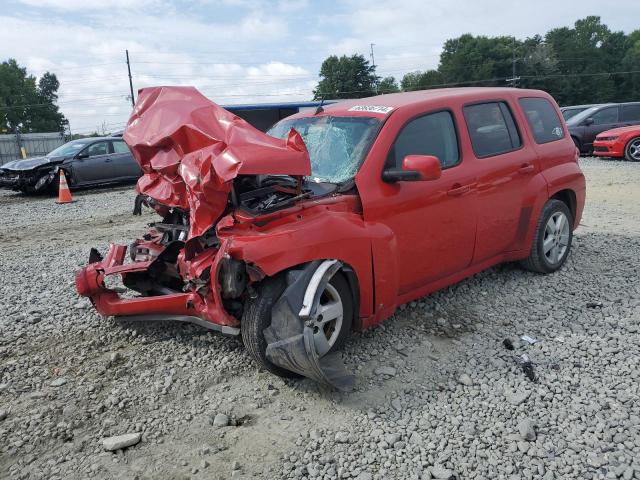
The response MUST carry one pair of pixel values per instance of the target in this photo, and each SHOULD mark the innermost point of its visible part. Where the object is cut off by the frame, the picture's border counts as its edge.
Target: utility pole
(373, 64)
(514, 79)
(133, 100)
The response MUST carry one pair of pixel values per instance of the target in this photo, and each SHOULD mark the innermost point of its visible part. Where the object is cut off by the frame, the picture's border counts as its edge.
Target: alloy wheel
(556, 238)
(634, 150)
(328, 320)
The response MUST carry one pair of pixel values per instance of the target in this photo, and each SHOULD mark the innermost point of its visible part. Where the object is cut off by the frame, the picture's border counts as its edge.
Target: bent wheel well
(568, 197)
(354, 286)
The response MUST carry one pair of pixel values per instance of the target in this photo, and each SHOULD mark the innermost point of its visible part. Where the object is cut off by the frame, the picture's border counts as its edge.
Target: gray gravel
(437, 394)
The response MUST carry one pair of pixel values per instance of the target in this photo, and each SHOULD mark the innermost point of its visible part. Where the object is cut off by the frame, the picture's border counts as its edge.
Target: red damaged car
(623, 142)
(335, 217)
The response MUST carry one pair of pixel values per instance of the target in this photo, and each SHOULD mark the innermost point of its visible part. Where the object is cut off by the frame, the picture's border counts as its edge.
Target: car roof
(398, 101)
(586, 105)
(93, 139)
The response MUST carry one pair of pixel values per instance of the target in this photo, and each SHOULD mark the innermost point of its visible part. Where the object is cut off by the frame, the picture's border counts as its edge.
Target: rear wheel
(632, 150)
(552, 240)
(331, 328)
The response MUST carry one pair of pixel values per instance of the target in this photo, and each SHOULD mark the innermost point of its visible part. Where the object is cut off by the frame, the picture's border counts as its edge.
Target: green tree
(388, 85)
(421, 80)
(25, 105)
(346, 77)
(631, 63)
(585, 63)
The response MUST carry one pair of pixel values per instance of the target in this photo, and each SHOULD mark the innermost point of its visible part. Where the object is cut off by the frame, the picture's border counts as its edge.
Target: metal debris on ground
(527, 367)
(529, 340)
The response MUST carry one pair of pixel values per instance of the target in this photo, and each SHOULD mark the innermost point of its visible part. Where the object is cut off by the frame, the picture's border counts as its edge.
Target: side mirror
(414, 168)
(82, 155)
(588, 121)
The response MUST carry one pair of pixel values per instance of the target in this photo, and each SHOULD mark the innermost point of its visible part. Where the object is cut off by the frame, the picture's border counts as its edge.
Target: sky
(250, 51)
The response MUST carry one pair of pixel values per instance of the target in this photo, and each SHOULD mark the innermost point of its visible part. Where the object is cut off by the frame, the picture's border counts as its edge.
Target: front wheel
(330, 330)
(552, 239)
(632, 150)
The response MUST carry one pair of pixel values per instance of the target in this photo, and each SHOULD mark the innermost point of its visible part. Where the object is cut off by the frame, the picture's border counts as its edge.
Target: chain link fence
(34, 144)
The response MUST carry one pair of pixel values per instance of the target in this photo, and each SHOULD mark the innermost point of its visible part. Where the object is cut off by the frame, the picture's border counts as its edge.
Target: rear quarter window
(543, 120)
(120, 147)
(492, 129)
(631, 112)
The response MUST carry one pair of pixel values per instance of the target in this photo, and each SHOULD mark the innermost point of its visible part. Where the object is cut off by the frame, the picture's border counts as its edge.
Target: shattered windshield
(336, 145)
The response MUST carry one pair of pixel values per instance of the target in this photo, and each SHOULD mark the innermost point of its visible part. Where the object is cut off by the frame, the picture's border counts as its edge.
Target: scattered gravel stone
(526, 430)
(164, 379)
(438, 471)
(58, 382)
(342, 437)
(121, 441)
(518, 397)
(364, 476)
(220, 420)
(385, 370)
(465, 379)
(3, 414)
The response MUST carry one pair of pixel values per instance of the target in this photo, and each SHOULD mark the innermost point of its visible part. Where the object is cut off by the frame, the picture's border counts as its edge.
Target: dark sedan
(85, 162)
(584, 126)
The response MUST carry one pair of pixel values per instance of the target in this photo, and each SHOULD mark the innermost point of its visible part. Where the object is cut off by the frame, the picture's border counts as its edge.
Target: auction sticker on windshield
(371, 109)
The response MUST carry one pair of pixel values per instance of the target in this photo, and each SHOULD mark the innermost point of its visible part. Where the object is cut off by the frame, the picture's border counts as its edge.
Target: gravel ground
(438, 395)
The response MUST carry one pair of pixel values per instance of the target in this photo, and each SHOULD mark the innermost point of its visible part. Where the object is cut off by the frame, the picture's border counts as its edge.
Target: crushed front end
(16, 176)
(172, 282)
(213, 179)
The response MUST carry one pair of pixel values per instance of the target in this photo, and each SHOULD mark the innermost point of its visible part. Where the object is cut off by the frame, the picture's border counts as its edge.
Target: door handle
(107, 160)
(526, 168)
(458, 190)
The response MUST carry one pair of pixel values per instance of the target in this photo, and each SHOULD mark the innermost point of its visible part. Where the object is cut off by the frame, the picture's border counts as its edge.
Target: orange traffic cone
(64, 194)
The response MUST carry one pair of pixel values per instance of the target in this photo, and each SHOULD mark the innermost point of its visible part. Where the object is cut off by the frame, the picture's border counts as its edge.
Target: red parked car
(623, 142)
(337, 216)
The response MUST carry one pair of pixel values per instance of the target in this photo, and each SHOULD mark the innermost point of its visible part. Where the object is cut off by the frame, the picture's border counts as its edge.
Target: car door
(505, 167)
(433, 222)
(125, 167)
(604, 119)
(92, 164)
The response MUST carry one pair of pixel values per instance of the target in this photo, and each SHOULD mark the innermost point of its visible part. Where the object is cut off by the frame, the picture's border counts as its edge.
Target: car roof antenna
(319, 109)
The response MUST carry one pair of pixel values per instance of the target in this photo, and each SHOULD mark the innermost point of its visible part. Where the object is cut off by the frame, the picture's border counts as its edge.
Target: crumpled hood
(190, 150)
(28, 163)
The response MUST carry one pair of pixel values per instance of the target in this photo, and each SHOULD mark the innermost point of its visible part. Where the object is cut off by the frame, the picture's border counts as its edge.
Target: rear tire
(552, 238)
(632, 150)
(257, 317)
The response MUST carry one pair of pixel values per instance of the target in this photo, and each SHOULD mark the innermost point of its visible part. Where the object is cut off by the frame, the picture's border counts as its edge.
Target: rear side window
(99, 148)
(542, 119)
(492, 129)
(605, 116)
(120, 147)
(631, 113)
(431, 134)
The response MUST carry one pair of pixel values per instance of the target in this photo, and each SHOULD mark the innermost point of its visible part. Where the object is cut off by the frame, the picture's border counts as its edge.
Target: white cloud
(242, 51)
(88, 59)
(78, 5)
